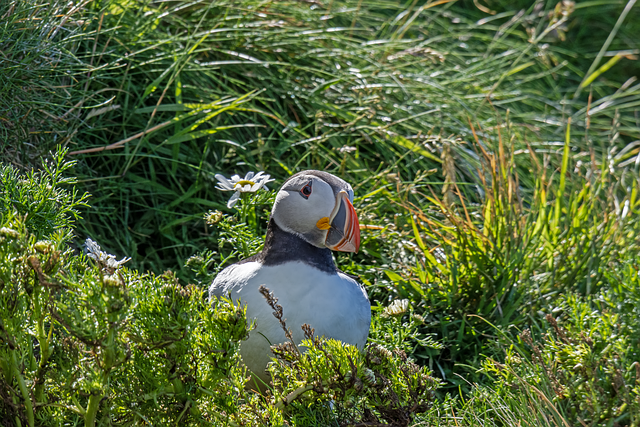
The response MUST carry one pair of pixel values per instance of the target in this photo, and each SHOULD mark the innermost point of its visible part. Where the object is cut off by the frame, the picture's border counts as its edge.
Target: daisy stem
(253, 223)
(256, 224)
(245, 206)
(248, 211)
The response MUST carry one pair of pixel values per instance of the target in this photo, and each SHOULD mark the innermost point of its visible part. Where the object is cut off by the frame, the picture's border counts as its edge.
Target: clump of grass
(43, 93)
(586, 356)
(594, 32)
(231, 87)
(490, 268)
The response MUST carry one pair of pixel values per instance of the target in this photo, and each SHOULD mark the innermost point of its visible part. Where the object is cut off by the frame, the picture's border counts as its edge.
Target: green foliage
(484, 269)
(86, 341)
(377, 386)
(484, 406)
(109, 346)
(244, 236)
(200, 271)
(40, 198)
(588, 357)
(399, 328)
(495, 163)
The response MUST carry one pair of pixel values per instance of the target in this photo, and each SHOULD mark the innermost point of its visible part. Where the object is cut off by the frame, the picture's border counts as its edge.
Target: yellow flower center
(242, 183)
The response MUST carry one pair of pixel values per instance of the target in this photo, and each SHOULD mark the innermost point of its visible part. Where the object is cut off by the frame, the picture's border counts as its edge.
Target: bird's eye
(306, 190)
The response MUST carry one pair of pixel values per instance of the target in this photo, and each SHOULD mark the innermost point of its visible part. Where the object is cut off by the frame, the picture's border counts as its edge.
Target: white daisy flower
(93, 251)
(251, 183)
(397, 307)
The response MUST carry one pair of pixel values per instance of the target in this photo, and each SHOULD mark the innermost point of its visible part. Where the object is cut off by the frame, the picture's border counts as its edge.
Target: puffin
(313, 214)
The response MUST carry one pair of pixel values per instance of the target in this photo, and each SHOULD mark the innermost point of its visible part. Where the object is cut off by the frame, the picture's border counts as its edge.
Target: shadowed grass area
(189, 89)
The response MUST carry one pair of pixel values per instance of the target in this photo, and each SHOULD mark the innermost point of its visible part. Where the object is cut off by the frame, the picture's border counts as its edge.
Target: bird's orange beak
(344, 234)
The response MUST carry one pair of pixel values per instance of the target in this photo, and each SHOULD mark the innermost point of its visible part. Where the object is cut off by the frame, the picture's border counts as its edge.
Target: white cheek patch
(293, 213)
(320, 203)
(280, 210)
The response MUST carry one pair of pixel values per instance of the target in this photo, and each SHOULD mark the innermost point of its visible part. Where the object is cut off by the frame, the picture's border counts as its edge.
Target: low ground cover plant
(86, 341)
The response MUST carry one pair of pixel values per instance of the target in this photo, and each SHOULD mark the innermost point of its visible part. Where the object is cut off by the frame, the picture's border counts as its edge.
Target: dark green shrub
(379, 385)
(43, 200)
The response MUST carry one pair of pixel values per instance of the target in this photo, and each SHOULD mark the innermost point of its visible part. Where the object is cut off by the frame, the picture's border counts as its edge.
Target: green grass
(403, 90)
(506, 187)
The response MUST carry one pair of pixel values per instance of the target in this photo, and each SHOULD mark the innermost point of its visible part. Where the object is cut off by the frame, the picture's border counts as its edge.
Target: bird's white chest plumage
(335, 305)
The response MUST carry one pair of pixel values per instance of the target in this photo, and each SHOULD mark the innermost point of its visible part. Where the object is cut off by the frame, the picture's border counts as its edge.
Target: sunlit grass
(505, 192)
(398, 83)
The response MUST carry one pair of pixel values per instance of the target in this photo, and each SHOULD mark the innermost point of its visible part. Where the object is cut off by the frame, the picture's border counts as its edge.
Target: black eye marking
(306, 190)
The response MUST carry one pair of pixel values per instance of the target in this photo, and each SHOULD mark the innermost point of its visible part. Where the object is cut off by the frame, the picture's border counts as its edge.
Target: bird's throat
(281, 246)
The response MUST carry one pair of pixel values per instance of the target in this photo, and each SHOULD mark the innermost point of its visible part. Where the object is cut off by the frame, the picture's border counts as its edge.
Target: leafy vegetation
(87, 341)
(493, 147)
(501, 264)
(47, 210)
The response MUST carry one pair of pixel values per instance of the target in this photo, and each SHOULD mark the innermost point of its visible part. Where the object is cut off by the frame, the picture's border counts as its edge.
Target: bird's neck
(281, 246)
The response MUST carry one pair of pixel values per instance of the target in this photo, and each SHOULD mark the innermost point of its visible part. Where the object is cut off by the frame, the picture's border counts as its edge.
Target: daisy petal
(223, 182)
(248, 176)
(233, 200)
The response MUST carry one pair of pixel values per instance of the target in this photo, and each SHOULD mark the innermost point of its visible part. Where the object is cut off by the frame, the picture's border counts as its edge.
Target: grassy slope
(281, 87)
(306, 72)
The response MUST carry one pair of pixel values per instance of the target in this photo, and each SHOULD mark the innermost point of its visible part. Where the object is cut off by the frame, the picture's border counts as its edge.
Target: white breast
(333, 304)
